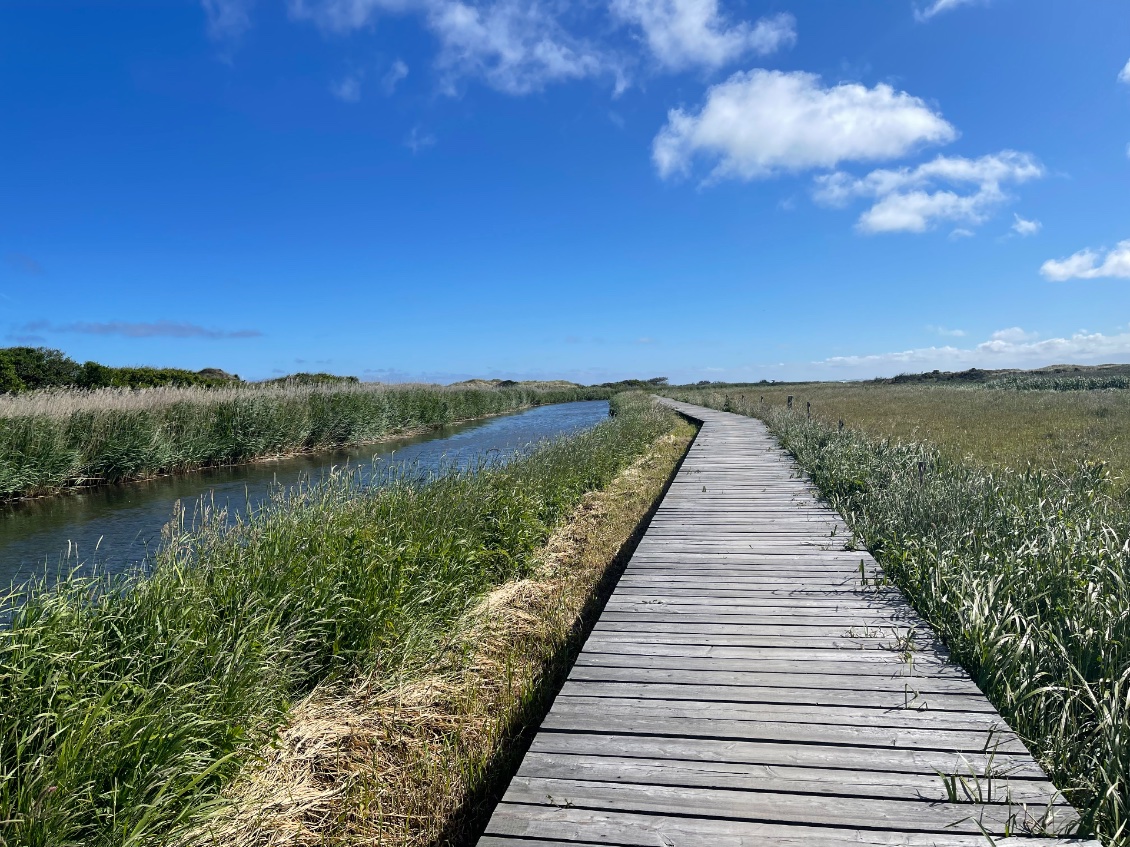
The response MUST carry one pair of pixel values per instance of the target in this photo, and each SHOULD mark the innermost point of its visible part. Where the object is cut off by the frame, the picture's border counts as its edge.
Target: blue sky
(441, 189)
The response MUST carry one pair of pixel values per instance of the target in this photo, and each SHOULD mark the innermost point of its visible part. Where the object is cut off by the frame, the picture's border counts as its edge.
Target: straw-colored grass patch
(421, 758)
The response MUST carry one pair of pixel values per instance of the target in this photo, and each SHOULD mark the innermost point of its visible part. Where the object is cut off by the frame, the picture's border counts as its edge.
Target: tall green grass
(126, 705)
(1017, 428)
(1024, 573)
(53, 439)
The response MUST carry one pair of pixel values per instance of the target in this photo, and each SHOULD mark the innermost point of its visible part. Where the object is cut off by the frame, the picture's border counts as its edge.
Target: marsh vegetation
(59, 438)
(135, 708)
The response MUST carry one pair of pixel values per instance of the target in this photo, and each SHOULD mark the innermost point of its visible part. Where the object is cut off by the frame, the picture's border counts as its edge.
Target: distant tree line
(639, 384)
(970, 375)
(312, 379)
(31, 368)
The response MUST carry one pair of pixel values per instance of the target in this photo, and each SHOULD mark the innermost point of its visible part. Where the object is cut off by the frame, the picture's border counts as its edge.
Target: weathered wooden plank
(697, 710)
(889, 654)
(774, 778)
(951, 741)
(706, 664)
(637, 830)
(911, 686)
(868, 697)
(840, 756)
(780, 807)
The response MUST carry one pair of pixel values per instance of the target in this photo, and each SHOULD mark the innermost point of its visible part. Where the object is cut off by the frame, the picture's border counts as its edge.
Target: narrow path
(749, 683)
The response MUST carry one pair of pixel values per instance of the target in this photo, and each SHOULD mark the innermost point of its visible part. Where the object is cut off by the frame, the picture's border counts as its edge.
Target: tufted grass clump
(130, 702)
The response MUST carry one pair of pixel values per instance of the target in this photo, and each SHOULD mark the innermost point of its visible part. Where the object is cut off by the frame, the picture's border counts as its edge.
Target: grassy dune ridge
(128, 704)
(53, 439)
(1024, 572)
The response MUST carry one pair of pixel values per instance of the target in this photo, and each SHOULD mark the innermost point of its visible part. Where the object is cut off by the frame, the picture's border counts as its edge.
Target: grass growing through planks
(1024, 573)
(129, 706)
(53, 439)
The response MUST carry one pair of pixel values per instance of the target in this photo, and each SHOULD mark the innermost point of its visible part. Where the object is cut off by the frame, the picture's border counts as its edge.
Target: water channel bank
(119, 525)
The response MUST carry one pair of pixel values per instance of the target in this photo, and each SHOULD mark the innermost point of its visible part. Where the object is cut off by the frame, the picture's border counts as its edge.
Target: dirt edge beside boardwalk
(425, 762)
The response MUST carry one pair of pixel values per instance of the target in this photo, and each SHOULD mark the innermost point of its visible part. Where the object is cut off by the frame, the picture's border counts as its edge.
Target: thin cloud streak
(156, 329)
(939, 6)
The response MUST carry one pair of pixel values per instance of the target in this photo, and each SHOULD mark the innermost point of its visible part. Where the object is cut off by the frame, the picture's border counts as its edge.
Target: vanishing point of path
(745, 686)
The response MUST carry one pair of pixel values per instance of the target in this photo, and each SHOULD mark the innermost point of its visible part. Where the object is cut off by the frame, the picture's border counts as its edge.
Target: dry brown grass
(420, 759)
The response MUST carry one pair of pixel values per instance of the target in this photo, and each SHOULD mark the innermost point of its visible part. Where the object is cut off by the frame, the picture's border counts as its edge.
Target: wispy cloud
(1124, 76)
(924, 13)
(914, 199)
(227, 19)
(941, 330)
(126, 329)
(1024, 228)
(684, 33)
(1090, 264)
(397, 72)
(24, 263)
(418, 140)
(348, 88)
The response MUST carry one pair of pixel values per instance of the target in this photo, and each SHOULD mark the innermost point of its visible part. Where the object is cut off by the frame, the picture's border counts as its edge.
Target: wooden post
(789, 402)
(921, 472)
(809, 411)
(841, 424)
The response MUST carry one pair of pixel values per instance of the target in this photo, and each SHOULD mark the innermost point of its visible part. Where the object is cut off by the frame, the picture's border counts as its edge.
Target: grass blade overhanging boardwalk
(753, 681)
(126, 705)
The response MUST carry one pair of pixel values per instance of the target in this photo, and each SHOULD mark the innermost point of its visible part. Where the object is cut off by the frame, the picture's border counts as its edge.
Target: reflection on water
(124, 521)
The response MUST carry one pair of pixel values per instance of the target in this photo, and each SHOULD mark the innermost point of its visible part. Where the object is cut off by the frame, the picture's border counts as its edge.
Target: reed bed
(54, 439)
(128, 703)
(1045, 428)
(1023, 572)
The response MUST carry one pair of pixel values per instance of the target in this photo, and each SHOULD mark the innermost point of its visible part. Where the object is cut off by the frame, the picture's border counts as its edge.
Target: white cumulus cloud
(762, 122)
(939, 6)
(682, 33)
(1125, 75)
(914, 199)
(1024, 228)
(1090, 264)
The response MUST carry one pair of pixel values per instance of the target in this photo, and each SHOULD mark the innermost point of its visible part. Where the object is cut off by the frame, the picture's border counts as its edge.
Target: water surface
(124, 521)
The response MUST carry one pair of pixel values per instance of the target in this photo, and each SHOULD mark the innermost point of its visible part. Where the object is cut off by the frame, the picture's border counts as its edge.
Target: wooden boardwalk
(745, 686)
